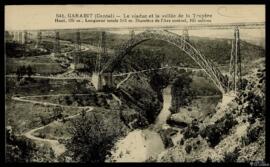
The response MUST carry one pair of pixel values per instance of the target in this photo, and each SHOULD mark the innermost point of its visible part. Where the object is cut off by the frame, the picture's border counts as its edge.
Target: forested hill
(217, 49)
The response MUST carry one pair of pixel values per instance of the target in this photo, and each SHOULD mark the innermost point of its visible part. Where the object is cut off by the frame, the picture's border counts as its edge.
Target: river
(141, 145)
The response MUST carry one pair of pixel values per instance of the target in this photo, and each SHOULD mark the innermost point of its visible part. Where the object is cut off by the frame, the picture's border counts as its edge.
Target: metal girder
(179, 41)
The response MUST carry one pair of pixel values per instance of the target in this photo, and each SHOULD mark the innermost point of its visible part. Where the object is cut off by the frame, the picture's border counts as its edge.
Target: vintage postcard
(135, 83)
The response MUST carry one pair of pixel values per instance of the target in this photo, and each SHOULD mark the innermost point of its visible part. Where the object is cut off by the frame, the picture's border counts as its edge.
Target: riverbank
(142, 145)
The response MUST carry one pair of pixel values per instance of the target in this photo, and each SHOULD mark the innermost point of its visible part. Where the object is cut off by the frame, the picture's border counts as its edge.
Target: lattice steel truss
(56, 47)
(235, 63)
(179, 41)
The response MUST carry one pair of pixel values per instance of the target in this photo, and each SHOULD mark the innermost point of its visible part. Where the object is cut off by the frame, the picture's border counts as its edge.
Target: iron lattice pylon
(185, 35)
(235, 63)
(25, 36)
(57, 43)
(77, 47)
(102, 51)
(21, 38)
(39, 38)
(132, 34)
(78, 41)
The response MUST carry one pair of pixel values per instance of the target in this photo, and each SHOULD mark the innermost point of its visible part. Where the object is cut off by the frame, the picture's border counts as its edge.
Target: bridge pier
(101, 80)
(97, 81)
(25, 37)
(21, 38)
(228, 97)
(39, 39)
(108, 79)
(78, 41)
(16, 36)
(56, 46)
(235, 63)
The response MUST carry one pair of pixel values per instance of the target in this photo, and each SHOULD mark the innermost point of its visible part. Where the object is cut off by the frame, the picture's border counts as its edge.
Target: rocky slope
(234, 133)
(141, 103)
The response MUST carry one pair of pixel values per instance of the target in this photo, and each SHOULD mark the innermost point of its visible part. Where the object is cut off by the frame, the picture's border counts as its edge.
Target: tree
(91, 138)
(181, 92)
(57, 112)
(29, 71)
(21, 71)
(159, 81)
(18, 148)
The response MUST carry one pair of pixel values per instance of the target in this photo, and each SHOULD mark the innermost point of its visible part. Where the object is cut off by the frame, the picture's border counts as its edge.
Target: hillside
(234, 133)
(218, 49)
